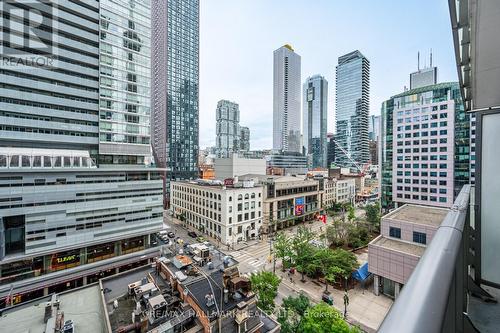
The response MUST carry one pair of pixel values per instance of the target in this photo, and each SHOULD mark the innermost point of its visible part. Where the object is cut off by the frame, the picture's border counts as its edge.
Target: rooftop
(399, 246)
(82, 306)
(442, 85)
(425, 215)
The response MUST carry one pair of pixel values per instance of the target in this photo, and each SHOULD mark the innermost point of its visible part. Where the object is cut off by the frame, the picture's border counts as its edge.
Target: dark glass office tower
(352, 108)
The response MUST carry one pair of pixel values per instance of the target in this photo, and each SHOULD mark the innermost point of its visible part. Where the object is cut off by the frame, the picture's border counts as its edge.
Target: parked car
(200, 239)
(192, 234)
(69, 326)
(327, 299)
(170, 234)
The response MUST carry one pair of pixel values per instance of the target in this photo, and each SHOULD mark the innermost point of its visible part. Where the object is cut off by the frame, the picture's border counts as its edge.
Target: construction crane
(356, 164)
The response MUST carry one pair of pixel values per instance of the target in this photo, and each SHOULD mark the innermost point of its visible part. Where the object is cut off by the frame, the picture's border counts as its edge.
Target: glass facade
(227, 129)
(244, 138)
(125, 76)
(352, 108)
(182, 88)
(425, 146)
(315, 120)
(386, 155)
(286, 100)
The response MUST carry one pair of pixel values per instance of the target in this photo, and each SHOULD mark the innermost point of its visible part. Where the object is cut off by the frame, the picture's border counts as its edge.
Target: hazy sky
(238, 37)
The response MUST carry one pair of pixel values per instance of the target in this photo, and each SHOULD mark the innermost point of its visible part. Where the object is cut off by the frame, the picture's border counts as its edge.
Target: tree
(265, 285)
(299, 304)
(332, 273)
(351, 213)
(373, 215)
(292, 311)
(283, 248)
(323, 318)
(344, 260)
(337, 233)
(302, 249)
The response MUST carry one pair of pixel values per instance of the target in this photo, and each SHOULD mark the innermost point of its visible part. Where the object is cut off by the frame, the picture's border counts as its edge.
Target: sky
(238, 37)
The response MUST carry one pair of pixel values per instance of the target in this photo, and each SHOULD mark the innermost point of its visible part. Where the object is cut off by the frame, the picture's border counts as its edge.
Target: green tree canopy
(323, 318)
(373, 214)
(265, 285)
(283, 248)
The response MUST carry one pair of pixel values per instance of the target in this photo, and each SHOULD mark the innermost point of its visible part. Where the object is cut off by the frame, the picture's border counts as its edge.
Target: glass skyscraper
(227, 128)
(244, 138)
(315, 120)
(286, 100)
(352, 108)
(175, 77)
(125, 78)
(183, 33)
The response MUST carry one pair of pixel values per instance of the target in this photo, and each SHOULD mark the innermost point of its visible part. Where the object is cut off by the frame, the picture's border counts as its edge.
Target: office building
(125, 80)
(289, 163)
(227, 213)
(330, 150)
(236, 165)
(87, 105)
(286, 100)
(244, 139)
(315, 120)
(175, 98)
(426, 76)
(56, 105)
(373, 152)
(352, 108)
(373, 128)
(467, 243)
(430, 145)
(393, 255)
(227, 128)
(65, 223)
(386, 155)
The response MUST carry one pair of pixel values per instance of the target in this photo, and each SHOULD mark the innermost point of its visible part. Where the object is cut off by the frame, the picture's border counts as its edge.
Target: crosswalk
(252, 258)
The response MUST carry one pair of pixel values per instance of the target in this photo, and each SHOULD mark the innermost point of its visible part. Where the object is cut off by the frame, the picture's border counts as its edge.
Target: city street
(365, 309)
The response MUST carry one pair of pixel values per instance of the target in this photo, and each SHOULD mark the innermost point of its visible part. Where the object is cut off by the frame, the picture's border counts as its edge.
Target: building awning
(361, 273)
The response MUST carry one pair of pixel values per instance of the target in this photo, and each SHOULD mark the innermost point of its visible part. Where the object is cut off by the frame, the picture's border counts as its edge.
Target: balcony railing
(434, 298)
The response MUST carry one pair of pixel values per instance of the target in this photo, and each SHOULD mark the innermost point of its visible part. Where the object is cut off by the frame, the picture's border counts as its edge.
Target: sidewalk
(364, 310)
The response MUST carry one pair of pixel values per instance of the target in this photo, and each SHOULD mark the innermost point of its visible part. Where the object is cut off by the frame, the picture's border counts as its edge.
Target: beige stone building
(230, 214)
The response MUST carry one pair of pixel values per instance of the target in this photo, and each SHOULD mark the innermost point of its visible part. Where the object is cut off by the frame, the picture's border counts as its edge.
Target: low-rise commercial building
(339, 191)
(405, 233)
(199, 291)
(65, 223)
(229, 213)
(288, 200)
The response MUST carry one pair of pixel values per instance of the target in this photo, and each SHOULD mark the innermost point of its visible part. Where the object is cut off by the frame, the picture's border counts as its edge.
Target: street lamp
(346, 299)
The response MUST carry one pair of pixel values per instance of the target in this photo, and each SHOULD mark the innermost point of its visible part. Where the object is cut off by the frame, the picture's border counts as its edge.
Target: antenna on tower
(431, 58)
(418, 60)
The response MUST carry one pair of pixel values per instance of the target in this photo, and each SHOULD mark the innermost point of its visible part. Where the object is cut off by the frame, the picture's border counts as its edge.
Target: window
(395, 232)
(419, 237)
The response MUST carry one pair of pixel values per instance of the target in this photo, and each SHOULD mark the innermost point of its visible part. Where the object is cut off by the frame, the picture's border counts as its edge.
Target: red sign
(228, 182)
(299, 210)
